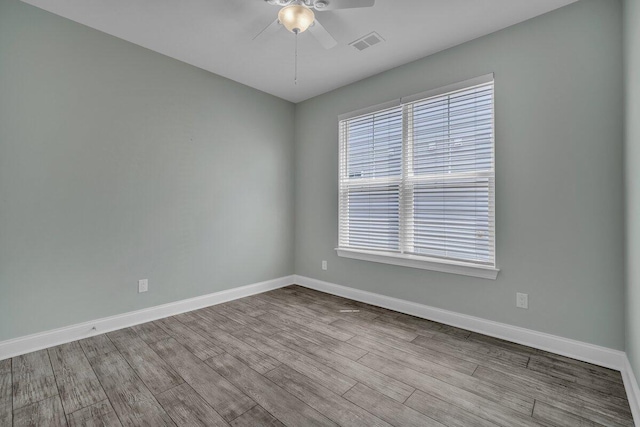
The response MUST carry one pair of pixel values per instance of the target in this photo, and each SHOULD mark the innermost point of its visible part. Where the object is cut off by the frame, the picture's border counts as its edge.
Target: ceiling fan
(297, 16)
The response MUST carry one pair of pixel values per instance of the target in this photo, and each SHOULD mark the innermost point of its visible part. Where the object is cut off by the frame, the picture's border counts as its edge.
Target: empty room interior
(320, 213)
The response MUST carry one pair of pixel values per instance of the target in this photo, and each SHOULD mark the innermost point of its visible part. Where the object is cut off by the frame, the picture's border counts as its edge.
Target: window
(417, 181)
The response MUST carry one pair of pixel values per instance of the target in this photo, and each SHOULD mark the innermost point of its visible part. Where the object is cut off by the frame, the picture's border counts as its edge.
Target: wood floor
(292, 357)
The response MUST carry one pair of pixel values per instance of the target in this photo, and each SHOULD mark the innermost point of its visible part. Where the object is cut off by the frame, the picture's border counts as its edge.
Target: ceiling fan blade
(269, 29)
(343, 4)
(322, 35)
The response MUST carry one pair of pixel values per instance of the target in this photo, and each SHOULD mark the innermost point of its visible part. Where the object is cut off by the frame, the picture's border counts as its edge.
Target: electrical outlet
(324, 264)
(143, 285)
(522, 300)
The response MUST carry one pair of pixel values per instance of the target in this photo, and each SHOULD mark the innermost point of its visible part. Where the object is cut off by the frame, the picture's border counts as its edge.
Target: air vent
(367, 41)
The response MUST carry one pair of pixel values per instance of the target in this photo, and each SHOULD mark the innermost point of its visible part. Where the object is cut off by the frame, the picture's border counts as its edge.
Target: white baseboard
(590, 353)
(633, 392)
(29, 343)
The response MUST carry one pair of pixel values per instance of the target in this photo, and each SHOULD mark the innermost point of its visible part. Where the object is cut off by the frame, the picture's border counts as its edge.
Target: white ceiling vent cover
(367, 41)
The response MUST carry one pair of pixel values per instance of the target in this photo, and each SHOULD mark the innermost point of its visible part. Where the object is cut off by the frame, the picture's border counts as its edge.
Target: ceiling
(216, 35)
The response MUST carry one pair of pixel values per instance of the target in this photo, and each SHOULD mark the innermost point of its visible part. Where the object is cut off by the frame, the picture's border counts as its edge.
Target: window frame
(467, 268)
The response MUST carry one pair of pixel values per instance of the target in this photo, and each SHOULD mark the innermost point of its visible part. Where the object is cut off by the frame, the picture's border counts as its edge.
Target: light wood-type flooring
(294, 357)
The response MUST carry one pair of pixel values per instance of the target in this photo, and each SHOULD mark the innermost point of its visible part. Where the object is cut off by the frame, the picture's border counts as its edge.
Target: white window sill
(413, 261)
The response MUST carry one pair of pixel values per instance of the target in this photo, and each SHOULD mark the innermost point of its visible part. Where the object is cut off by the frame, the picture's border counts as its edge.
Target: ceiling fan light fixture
(296, 18)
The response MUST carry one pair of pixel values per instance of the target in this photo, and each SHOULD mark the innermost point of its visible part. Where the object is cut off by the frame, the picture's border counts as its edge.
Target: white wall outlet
(522, 300)
(143, 285)
(324, 264)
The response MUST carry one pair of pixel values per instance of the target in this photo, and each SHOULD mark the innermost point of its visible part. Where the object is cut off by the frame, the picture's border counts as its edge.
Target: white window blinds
(417, 178)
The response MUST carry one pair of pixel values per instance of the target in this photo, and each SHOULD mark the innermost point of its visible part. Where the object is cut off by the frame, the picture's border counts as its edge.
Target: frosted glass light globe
(296, 18)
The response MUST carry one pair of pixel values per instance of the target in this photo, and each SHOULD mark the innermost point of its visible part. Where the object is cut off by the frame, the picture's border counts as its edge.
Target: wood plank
(423, 326)
(505, 397)
(360, 329)
(278, 306)
(77, 383)
(201, 347)
(500, 343)
(253, 307)
(444, 412)
(584, 376)
(256, 417)
(45, 413)
(417, 325)
(472, 351)
(150, 332)
(220, 321)
(287, 408)
(425, 354)
(462, 350)
(35, 364)
(329, 304)
(381, 311)
(322, 374)
(323, 400)
(553, 416)
(546, 384)
(155, 372)
(33, 379)
(546, 389)
(478, 405)
(292, 321)
(388, 409)
(6, 395)
(126, 338)
(245, 308)
(326, 311)
(223, 396)
(131, 399)
(376, 327)
(344, 311)
(483, 350)
(100, 414)
(247, 321)
(384, 384)
(97, 346)
(324, 304)
(335, 300)
(578, 365)
(187, 408)
(253, 357)
(341, 347)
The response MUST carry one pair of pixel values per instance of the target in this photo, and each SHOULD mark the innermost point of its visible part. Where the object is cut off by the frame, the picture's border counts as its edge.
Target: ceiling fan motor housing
(317, 4)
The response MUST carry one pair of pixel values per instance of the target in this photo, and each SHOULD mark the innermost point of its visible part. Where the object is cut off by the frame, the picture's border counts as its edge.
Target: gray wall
(632, 157)
(116, 164)
(559, 176)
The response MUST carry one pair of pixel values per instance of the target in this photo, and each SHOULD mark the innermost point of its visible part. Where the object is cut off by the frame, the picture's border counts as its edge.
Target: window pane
(373, 217)
(453, 133)
(374, 145)
(452, 219)
(443, 185)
